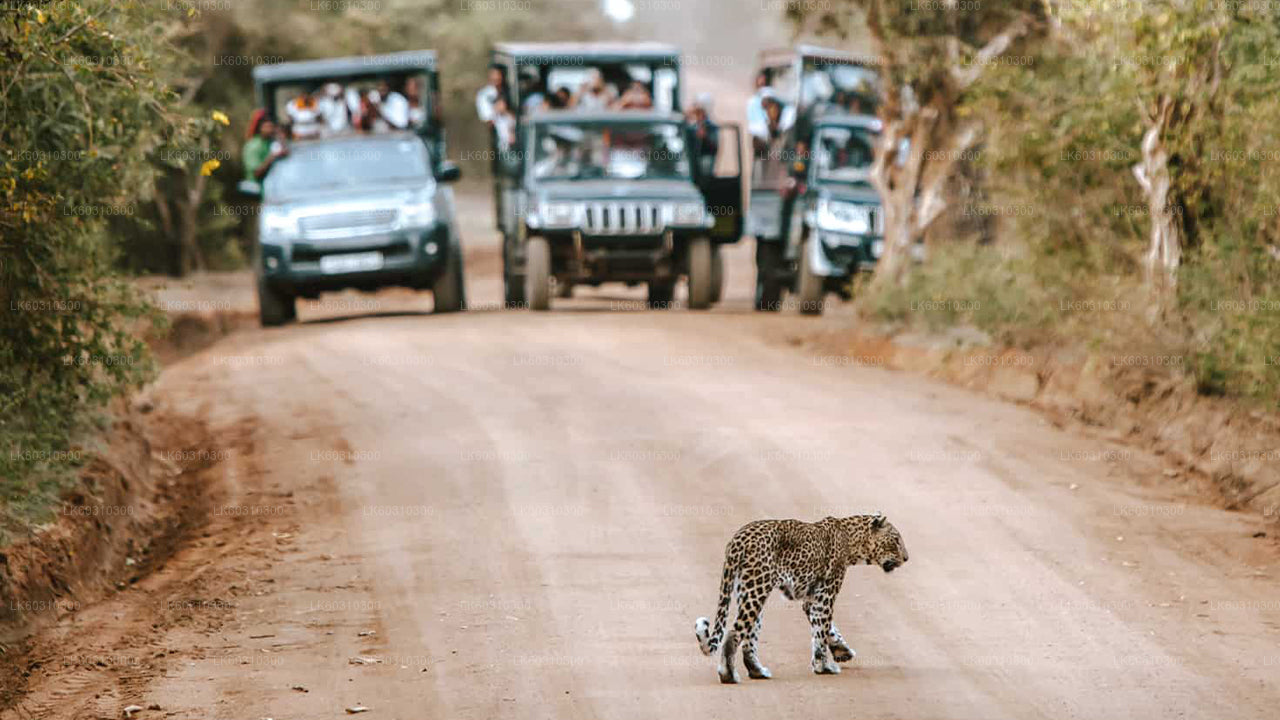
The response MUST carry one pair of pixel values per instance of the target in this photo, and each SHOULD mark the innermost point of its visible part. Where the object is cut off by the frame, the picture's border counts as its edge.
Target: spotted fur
(807, 561)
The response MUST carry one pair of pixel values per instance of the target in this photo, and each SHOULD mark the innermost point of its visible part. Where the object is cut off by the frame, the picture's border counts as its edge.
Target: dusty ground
(509, 514)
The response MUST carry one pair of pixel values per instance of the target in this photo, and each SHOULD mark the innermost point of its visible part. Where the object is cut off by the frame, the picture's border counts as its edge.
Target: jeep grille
(344, 224)
(624, 218)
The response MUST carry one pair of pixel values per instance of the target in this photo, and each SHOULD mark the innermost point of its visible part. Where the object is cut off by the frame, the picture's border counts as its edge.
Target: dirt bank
(138, 497)
(1226, 449)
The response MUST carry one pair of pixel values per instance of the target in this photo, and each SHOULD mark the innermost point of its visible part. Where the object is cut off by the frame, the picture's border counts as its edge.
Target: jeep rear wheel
(700, 274)
(768, 285)
(275, 307)
(717, 273)
(448, 290)
(812, 287)
(537, 275)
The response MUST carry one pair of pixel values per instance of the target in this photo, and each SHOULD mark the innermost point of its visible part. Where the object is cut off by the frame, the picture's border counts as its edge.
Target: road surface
(520, 515)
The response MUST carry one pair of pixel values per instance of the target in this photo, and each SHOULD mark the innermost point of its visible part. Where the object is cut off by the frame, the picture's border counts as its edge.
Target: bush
(83, 106)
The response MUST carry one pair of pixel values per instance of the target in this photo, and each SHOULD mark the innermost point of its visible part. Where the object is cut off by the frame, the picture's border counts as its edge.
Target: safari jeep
(356, 210)
(842, 221)
(811, 84)
(617, 197)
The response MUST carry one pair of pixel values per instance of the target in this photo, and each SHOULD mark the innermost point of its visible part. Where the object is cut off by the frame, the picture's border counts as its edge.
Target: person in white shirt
(391, 109)
(334, 110)
(755, 105)
(487, 95)
(504, 125)
(304, 117)
(596, 94)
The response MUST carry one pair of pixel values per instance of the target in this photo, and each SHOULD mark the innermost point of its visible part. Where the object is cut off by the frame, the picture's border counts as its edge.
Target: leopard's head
(885, 546)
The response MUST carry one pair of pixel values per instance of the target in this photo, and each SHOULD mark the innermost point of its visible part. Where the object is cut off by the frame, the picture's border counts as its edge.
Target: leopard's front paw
(826, 668)
(842, 653)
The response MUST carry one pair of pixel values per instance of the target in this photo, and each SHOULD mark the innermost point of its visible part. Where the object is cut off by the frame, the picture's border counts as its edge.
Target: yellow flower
(40, 18)
(209, 166)
(221, 117)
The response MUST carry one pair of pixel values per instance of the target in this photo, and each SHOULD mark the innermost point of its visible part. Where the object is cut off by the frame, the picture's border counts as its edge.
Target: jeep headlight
(418, 213)
(279, 225)
(843, 217)
(558, 215)
(689, 213)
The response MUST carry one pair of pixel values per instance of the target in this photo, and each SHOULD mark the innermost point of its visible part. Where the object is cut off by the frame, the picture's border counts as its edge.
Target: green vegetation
(1179, 93)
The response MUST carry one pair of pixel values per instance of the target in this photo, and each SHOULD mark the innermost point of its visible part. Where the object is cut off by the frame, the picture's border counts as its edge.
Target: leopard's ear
(877, 520)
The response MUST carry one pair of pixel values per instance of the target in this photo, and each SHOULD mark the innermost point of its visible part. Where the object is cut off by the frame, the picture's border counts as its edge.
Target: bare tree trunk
(1164, 249)
(193, 256)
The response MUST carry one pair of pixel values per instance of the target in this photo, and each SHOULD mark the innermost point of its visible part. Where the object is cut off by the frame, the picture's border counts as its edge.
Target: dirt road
(520, 515)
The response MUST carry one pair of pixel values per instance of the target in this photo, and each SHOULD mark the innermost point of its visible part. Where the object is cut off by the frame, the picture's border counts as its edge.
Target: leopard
(807, 561)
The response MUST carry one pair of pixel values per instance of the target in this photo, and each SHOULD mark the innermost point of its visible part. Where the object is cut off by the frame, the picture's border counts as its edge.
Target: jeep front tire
(812, 288)
(701, 270)
(275, 307)
(537, 274)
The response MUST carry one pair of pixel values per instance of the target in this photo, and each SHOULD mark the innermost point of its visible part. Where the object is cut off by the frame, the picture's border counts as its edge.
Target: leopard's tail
(709, 638)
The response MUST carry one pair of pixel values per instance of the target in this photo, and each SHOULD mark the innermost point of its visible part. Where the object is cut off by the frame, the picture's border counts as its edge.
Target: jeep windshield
(843, 154)
(324, 166)
(625, 151)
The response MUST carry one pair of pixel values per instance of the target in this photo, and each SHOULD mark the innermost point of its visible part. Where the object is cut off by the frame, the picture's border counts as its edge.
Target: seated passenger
(595, 94)
(417, 110)
(531, 91)
(636, 97)
(561, 99)
(334, 110)
(390, 108)
(304, 116)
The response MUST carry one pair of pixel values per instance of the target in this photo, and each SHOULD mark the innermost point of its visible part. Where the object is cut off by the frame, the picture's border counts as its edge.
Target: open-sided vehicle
(617, 197)
(842, 223)
(356, 210)
(812, 83)
(632, 205)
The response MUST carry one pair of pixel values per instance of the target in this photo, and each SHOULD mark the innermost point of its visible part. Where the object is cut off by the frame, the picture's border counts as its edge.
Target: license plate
(354, 262)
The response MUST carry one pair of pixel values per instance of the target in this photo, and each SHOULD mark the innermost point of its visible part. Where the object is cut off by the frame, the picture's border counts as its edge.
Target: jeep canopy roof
(778, 56)
(338, 68)
(545, 67)
(280, 83)
(582, 53)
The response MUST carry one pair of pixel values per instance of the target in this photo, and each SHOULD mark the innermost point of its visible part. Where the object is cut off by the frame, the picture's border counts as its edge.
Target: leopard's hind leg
(750, 657)
(751, 597)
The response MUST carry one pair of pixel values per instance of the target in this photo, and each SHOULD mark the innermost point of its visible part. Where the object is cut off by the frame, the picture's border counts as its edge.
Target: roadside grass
(1225, 332)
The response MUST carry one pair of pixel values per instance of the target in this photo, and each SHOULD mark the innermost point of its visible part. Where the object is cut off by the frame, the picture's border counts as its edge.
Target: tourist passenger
(595, 94)
(417, 109)
(304, 116)
(636, 97)
(706, 134)
(755, 104)
(489, 94)
(504, 125)
(261, 151)
(334, 110)
(391, 109)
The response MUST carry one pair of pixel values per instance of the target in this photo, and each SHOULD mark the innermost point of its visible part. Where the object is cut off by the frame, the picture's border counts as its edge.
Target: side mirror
(448, 172)
(251, 188)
